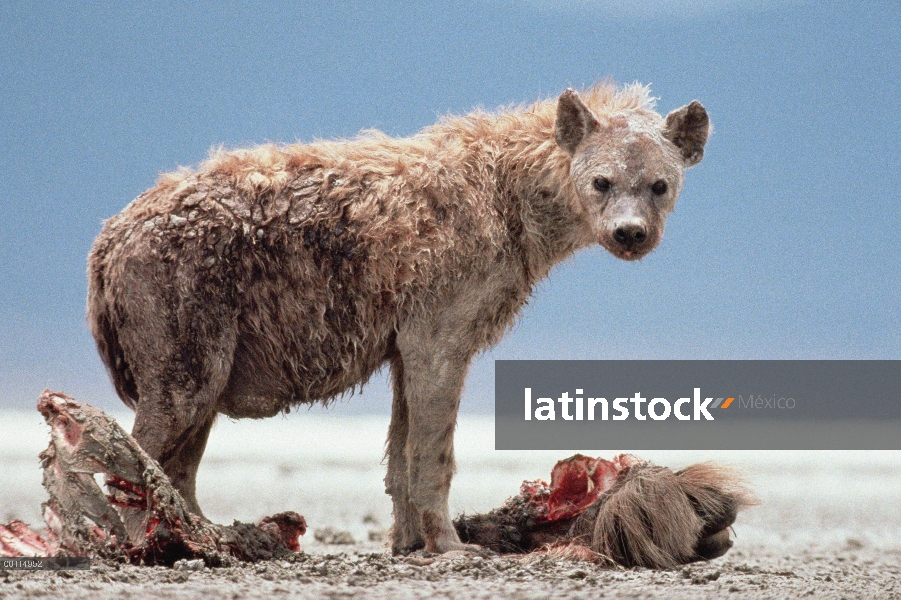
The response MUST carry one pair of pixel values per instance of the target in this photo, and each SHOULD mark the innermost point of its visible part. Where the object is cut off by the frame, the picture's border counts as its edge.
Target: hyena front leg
(406, 533)
(432, 383)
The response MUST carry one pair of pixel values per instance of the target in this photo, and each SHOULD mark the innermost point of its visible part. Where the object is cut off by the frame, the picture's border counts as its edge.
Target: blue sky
(785, 243)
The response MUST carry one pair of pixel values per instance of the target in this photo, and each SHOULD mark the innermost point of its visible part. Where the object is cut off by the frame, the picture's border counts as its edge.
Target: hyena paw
(403, 541)
(459, 547)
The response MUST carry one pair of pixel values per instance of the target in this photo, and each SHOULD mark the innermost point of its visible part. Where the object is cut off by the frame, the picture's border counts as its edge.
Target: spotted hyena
(285, 275)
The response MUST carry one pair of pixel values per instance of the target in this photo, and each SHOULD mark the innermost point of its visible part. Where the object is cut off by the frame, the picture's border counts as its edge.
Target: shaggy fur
(286, 275)
(659, 519)
(651, 517)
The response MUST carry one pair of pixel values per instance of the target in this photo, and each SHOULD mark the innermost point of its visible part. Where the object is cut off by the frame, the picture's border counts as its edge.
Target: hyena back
(286, 275)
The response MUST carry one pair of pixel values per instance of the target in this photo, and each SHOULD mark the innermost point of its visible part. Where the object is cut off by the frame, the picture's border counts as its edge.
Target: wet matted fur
(285, 275)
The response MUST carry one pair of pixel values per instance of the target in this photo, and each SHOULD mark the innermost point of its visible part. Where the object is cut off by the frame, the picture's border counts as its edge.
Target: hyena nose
(630, 235)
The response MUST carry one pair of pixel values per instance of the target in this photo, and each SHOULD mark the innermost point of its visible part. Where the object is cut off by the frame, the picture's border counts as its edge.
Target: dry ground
(849, 571)
(828, 526)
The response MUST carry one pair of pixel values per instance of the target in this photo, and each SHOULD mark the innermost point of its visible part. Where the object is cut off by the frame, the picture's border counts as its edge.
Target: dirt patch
(368, 572)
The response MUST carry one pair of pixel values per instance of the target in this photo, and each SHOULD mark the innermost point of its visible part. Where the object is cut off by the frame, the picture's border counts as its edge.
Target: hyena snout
(630, 239)
(630, 235)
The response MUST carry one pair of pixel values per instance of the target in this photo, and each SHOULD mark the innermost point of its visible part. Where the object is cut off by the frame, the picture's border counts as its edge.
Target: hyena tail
(102, 322)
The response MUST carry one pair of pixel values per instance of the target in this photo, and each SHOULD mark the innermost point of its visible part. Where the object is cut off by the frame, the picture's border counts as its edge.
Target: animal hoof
(713, 546)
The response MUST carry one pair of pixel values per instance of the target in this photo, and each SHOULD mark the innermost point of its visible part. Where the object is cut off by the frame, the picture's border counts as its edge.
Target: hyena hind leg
(176, 410)
(182, 463)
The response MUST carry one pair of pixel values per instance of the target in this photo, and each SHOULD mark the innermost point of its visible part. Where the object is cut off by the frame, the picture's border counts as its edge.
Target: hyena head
(628, 168)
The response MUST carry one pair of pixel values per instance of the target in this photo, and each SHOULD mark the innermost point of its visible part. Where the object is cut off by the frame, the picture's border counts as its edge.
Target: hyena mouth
(628, 253)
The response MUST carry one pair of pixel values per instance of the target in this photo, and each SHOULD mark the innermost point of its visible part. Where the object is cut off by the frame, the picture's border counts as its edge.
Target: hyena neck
(533, 190)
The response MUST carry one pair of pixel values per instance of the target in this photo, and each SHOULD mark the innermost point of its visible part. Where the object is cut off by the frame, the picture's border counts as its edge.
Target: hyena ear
(574, 121)
(688, 128)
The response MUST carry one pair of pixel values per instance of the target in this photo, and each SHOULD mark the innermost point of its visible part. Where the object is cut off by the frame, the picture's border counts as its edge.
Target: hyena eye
(602, 184)
(659, 187)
